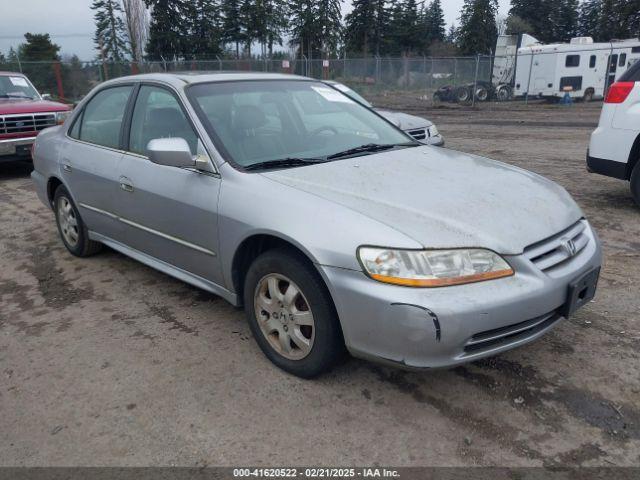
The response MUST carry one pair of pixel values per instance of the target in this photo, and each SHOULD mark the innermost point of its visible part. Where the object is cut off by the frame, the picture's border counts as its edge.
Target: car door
(168, 213)
(90, 160)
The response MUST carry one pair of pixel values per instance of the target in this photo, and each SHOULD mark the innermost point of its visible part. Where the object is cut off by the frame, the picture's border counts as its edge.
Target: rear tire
(463, 95)
(291, 314)
(635, 184)
(482, 94)
(73, 232)
(588, 96)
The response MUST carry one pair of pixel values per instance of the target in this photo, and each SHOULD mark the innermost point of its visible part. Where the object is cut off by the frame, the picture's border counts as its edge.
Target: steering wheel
(327, 128)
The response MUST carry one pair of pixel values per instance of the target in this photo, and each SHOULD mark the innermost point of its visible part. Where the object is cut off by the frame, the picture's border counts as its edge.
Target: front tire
(635, 184)
(291, 314)
(73, 232)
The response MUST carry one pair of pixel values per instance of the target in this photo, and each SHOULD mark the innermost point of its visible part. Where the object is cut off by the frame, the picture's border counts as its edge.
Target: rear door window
(102, 117)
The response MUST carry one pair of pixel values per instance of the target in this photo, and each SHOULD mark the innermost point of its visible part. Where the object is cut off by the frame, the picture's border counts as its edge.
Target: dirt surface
(106, 362)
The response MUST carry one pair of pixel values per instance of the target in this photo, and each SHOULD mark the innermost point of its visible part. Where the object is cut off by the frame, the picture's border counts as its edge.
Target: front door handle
(126, 184)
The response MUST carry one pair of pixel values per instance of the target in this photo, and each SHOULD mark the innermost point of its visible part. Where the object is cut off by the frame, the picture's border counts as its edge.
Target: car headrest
(166, 115)
(248, 117)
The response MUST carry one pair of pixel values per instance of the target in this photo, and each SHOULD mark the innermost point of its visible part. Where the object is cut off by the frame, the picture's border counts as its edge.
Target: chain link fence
(464, 80)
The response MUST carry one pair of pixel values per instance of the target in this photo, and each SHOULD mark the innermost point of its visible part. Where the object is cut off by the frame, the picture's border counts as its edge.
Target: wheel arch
(52, 185)
(256, 244)
(634, 157)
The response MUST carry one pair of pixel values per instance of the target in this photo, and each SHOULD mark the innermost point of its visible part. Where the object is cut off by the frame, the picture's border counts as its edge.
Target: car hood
(10, 106)
(443, 199)
(405, 121)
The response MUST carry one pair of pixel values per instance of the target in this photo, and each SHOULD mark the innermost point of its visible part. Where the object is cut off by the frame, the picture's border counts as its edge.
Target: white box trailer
(582, 68)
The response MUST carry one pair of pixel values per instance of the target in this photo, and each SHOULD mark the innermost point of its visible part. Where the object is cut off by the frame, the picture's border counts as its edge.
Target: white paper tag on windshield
(341, 87)
(331, 95)
(18, 82)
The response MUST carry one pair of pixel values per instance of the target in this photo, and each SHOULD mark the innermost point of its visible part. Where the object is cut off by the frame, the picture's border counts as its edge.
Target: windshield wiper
(284, 162)
(370, 148)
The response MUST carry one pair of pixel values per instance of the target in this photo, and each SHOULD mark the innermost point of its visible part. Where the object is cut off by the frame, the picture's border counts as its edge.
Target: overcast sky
(70, 22)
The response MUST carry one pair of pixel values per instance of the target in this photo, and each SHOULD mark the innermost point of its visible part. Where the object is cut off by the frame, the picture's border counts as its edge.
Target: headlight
(432, 268)
(61, 117)
(433, 131)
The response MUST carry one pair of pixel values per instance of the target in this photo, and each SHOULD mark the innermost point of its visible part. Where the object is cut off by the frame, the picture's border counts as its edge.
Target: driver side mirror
(46, 96)
(171, 152)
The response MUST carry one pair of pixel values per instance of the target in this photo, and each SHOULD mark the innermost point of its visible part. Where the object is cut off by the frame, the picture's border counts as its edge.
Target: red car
(23, 114)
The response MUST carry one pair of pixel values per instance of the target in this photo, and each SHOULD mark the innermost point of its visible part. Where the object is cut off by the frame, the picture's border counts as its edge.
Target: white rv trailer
(583, 68)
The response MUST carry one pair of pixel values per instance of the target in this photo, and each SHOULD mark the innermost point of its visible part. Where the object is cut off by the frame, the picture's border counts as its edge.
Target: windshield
(16, 86)
(253, 122)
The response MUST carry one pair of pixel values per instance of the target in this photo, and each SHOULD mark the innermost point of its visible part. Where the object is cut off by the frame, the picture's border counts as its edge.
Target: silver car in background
(419, 128)
(336, 230)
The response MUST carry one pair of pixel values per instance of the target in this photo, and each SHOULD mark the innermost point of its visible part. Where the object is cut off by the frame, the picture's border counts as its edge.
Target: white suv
(615, 145)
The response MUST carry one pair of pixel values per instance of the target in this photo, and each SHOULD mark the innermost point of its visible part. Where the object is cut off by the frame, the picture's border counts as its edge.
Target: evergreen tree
(360, 26)
(588, 18)
(315, 26)
(204, 29)
(381, 27)
(329, 24)
(275, 14)
(452, 34)
(610, 25)
(565, 20)
(111, 34)
(435, 23)
(38, 47)
(478, 31)
(406, 34)
(232, 25)
(538, 14)
(169, 29)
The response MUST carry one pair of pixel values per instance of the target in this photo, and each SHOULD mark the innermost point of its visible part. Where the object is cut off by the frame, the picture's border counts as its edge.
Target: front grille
(559, 248)
(26, 123)
(512, 333)
(419, 134)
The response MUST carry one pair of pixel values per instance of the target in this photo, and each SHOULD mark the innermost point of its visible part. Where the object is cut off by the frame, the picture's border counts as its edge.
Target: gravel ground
(106, 362)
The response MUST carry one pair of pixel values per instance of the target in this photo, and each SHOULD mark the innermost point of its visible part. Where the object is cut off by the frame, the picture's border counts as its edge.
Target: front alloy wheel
(284, 316)
(291, 314)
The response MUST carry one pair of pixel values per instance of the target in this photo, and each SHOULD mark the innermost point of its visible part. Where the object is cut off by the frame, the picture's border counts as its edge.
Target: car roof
(180, 79)
(11, 73)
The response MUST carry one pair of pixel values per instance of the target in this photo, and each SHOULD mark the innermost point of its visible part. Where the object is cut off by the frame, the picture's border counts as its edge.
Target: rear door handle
(126, 184)
(66, 167)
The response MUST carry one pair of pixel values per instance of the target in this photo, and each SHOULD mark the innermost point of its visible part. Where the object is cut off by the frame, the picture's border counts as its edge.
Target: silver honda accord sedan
(337, 231)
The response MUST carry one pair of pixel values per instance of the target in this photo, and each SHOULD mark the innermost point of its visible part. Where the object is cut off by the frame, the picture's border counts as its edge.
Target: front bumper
(16, 148)
(431, 328)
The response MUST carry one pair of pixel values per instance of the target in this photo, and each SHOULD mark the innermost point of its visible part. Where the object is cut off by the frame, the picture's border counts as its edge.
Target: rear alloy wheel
(72, 229)
(291, 314)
